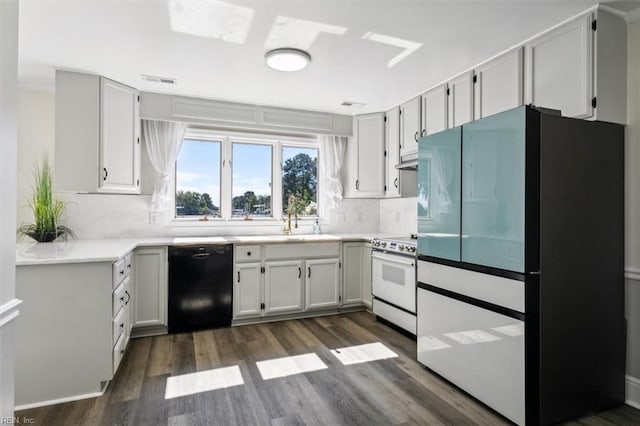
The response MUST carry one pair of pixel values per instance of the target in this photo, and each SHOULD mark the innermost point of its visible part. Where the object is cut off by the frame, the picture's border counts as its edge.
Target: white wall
(632, 213)
(112, 216)
(8, 305)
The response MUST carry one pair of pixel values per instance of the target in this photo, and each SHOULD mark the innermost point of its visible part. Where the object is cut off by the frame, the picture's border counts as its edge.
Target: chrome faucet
(291, 205)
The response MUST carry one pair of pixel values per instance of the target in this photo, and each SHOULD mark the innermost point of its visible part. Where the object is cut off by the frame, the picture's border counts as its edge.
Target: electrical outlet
(153, 218)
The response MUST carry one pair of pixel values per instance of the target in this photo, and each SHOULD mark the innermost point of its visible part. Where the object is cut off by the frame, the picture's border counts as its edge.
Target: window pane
(300, 179)
(198, 179)
(252, 173)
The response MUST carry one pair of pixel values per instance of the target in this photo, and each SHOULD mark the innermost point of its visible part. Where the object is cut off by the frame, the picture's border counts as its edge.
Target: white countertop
(109, 250)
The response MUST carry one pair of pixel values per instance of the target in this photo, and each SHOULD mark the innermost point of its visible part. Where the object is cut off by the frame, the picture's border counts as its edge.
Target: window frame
(226, 139)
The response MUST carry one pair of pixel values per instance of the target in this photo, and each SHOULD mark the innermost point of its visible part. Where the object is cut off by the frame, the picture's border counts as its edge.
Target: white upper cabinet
(119, 126)
(559, 70)
(364, 158)
(97, 144)
(435, 110)
(461, 99)
(410, 128)
(392, 153)
(499, 84)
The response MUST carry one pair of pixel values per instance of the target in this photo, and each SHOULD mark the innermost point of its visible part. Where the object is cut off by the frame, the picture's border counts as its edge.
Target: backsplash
(398, 216)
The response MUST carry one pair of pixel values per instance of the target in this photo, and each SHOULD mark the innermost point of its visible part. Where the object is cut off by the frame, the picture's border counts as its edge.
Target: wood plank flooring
(394, 391)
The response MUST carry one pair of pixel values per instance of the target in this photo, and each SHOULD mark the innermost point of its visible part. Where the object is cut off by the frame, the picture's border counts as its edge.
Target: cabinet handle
(248, 253)
(105, 173)
(357, 185)
(424, 132)
(299, 272)
(415, 136)
(122, 272)
(128, 297)
(309, 272)
(395, 182)
(121, 351)
(129, 266)
(122, 299)
(238, 276)
(121, 326)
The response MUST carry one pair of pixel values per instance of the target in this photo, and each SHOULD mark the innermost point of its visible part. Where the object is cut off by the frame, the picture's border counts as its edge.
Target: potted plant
(46, 210)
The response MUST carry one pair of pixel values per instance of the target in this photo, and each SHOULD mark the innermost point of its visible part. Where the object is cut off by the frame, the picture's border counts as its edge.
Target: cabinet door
(322, 283)
(461, 100)
(247, 291)
(128, 306)
(370, 155)
(283, 287)
(493, 184)
(150, 282)
(435, 110)
(119, 138)
(559, 69)
(410, 129)
(366, 275)
(352, 273)
(439, 195)
(392, 151)
(499, 85)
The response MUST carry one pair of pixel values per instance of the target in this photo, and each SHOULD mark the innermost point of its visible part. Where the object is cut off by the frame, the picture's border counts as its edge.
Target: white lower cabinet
(247, 290)
(322, 284)
(367, 297)
(79, 316)
(283, 287)
(150, 278)
(285, 279)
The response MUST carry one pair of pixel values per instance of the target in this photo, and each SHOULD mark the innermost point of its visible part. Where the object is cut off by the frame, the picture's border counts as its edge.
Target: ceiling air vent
(155, 79)
(352, 104)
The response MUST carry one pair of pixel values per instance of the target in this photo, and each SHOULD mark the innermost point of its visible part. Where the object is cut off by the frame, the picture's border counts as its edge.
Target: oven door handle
(392, 258)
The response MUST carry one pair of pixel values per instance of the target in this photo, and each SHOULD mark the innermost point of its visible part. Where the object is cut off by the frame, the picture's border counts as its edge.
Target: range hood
(408, 162)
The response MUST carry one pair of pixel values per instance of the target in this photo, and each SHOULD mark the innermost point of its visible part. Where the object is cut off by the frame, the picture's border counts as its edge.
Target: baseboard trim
(633, 392)
(59, 401)
(9, 311)
(155, 330)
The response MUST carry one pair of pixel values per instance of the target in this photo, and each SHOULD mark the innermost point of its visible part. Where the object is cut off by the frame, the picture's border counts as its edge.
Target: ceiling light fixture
(287, 59)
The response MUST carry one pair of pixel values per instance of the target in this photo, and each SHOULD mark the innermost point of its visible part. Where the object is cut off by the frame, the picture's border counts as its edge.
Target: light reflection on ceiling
(408, 46)
(298, 33)
(212, 19)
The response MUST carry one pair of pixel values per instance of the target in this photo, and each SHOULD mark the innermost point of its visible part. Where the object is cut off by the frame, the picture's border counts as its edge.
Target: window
(252, 174)
(198, 179)
(300, 180)
(239, 177)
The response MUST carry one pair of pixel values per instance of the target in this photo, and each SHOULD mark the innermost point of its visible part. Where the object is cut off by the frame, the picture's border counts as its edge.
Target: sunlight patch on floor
(203, 381)
(363, 353)
(290, 365)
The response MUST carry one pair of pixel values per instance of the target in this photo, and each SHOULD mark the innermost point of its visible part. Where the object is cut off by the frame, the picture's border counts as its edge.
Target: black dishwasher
(200, 287)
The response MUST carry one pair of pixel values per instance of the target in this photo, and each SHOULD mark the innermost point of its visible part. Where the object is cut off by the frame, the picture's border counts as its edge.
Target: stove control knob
(411, 249)
(383, 244)
(400, 247)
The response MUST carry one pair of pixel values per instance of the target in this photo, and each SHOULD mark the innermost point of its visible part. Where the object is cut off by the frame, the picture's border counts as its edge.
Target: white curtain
(333, 148)
(163, 140)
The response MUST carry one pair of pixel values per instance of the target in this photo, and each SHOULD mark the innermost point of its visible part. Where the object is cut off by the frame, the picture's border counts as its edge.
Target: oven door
(393, 279)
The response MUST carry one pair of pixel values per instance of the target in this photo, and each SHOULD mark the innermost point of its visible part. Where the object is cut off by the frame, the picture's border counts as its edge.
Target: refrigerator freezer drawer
(489, 288)
(478, 350)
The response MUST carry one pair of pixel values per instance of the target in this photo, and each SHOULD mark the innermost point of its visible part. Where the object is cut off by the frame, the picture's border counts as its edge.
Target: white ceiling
(352, 43)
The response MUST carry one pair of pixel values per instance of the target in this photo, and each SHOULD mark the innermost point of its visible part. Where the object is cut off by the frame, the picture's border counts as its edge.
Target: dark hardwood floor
(394, 391)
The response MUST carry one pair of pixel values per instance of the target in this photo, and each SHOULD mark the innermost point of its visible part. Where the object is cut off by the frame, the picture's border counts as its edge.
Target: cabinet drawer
(301, 250)
(248, 253)
(119, 324)
(118, 272)
(119, 298)
(128, 264)
(118, 352)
